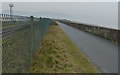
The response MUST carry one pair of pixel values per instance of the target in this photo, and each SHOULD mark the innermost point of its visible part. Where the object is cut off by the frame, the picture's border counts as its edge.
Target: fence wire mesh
(21, 37)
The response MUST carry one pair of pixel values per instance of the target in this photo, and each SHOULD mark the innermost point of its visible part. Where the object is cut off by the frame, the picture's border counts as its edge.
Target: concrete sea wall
(109, 34)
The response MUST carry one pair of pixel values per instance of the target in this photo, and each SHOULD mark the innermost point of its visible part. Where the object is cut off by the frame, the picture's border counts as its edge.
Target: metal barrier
(21, 37)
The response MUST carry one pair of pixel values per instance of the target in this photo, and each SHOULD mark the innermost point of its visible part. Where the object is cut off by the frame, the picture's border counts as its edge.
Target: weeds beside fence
(21, 37)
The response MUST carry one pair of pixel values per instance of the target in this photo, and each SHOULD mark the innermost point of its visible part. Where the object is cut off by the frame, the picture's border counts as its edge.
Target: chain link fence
(21, 37)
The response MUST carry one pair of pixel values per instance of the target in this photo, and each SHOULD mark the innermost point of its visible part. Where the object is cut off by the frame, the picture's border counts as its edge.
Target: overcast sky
(95, 13)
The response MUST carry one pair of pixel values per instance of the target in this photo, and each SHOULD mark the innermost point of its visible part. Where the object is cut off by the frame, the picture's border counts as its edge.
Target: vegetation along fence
(21, 37)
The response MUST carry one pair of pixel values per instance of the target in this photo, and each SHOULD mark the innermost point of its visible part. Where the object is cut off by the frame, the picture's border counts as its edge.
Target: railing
(21, 37)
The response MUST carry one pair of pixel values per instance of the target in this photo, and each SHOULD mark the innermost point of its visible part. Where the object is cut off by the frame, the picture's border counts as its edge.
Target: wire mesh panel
(21, 37)
(0, 44)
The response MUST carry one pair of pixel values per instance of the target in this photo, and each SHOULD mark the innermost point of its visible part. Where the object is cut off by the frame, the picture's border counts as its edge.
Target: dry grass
(57, 54)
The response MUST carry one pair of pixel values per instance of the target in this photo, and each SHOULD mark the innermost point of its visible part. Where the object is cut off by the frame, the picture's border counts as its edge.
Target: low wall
(109, 34)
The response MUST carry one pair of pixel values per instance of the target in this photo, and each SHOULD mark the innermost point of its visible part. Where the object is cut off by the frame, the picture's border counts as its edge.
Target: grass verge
(57, 54)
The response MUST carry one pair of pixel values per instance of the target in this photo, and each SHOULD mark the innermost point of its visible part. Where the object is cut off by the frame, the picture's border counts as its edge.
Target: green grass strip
(57, 54)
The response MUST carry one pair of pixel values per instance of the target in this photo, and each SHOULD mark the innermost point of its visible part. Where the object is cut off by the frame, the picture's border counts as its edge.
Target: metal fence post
(32, 34)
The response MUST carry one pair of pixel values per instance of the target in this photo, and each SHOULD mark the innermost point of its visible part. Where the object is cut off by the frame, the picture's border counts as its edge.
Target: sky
(93, 13)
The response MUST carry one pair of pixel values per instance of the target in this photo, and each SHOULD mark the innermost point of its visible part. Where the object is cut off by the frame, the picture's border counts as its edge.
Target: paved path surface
(100, 52)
